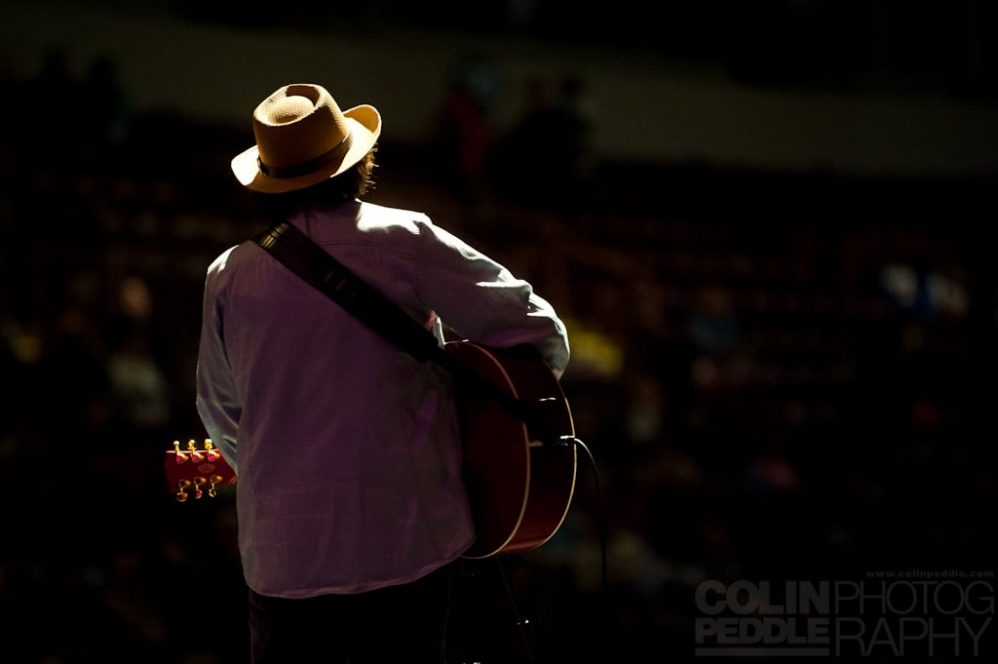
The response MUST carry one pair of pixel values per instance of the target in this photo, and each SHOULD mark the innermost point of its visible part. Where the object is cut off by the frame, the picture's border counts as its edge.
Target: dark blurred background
(764, 222)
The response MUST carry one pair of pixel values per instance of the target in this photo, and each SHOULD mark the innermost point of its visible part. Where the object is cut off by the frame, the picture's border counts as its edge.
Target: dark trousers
(405, 623)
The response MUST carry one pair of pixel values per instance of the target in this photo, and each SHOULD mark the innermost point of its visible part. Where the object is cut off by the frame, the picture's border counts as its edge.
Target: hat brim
(365, 128)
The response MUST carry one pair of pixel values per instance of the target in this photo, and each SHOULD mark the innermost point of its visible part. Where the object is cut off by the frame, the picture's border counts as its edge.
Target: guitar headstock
(192, 472)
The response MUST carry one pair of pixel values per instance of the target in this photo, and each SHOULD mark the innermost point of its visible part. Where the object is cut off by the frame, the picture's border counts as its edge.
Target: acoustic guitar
(520, 477)
(519, 487)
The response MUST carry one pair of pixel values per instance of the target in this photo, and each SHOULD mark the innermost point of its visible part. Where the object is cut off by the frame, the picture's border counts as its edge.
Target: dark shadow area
(781, 375)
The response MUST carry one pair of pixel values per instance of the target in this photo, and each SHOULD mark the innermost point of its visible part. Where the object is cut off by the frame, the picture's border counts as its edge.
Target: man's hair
(352, 183)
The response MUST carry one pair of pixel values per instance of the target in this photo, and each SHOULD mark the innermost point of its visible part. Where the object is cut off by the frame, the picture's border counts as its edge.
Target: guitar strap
(296, 251)
(318, 268)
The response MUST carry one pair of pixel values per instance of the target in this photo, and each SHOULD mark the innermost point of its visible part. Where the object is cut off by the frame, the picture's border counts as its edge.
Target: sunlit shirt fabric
(346, 448)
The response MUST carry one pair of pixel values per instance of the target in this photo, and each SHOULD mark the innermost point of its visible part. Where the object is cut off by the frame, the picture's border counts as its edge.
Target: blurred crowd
(781, 376)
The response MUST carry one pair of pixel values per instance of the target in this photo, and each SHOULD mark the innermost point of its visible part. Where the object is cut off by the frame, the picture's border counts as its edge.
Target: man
(350, 500)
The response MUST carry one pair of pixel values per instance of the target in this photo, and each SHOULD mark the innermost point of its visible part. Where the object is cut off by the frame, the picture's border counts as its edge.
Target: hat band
(324, 159)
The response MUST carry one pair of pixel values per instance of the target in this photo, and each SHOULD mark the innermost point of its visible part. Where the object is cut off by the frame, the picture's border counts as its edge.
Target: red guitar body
(520, 489)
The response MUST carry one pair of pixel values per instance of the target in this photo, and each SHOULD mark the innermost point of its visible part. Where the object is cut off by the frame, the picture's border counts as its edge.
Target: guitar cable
(600, 521)
(600, 516)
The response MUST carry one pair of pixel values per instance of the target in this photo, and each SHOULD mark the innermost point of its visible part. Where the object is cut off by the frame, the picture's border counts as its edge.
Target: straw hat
(303, 138)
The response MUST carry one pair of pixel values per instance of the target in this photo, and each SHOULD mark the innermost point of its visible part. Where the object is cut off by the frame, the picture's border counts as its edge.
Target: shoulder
(220, 264)
(381, 219)
(227, 264)
(409, 226)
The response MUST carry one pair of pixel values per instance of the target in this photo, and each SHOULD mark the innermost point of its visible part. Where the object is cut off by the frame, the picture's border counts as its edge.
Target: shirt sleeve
(481, 300)
(218, 402)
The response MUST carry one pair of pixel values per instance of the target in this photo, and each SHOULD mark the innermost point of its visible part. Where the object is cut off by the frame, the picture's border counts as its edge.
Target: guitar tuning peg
(180, 456)
(215, 479)
(213, 454)
(196, 455)
(182, 487)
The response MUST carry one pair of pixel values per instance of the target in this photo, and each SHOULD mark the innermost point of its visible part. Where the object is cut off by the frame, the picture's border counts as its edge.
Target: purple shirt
(347, 449)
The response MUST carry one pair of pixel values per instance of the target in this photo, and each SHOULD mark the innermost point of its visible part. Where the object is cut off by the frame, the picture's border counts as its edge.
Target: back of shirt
(347, 449)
